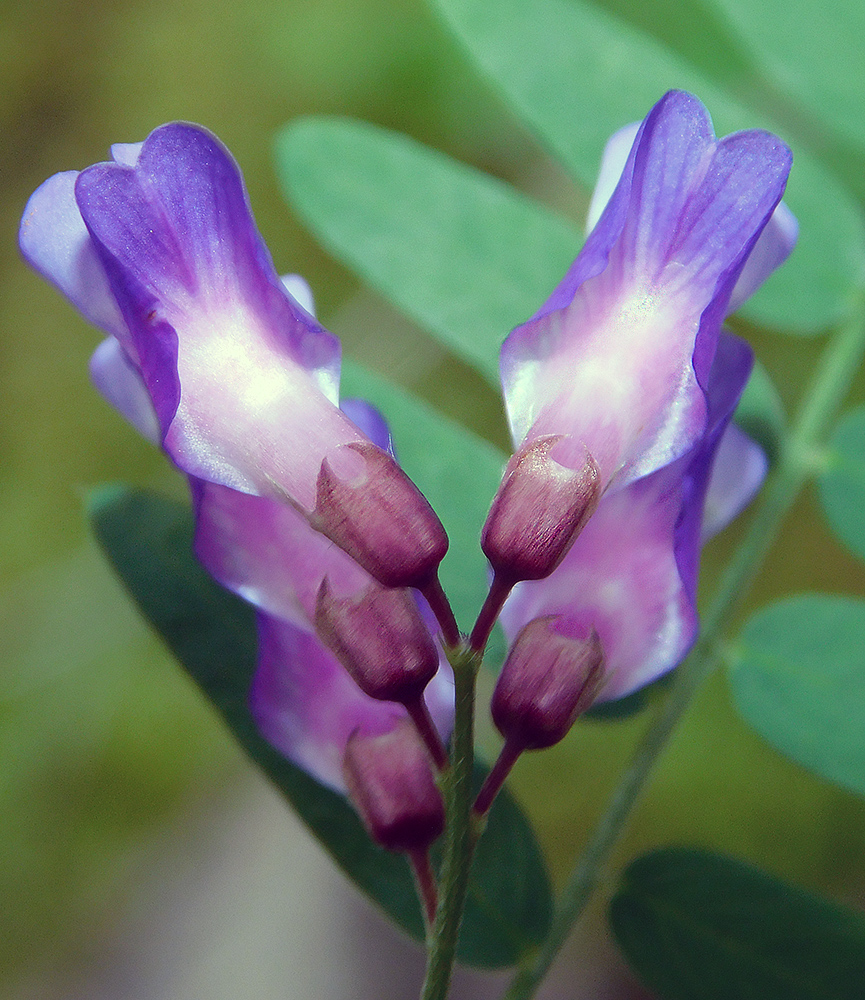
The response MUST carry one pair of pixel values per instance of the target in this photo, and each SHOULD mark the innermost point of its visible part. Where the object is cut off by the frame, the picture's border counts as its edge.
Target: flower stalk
(461, 833)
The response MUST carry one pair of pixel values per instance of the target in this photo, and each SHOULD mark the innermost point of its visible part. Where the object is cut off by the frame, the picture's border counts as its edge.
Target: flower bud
(374, 512)
(539, 510)
(391, 785)
(547, 681)
(380, 638)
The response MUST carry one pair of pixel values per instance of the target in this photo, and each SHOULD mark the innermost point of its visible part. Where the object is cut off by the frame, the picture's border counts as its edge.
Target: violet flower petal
(302, 698)
(298, 288)
(619, 355)
(305, 704)
(267, 553)
(126, 153)
(55, 242)
(775, 243)
(621, 578)
(738, 472)
(119, 381)
(632, 572)
(207, 312)
(613, 161)
(774, 246)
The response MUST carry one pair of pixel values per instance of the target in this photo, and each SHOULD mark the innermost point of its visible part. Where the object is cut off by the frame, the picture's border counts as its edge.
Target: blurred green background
(105, 748)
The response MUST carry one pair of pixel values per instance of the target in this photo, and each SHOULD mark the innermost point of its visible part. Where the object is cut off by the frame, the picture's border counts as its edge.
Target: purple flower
(303, 700)
(619, 356)
(215, 358)
(627, 361)
(160, 250)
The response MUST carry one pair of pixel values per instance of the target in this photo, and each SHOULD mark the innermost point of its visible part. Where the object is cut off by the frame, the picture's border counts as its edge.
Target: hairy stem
(460, 832)
(796, 464)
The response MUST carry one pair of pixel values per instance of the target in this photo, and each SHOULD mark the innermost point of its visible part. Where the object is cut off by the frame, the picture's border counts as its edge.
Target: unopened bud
(374, 512)
(381, 640)
(547, 681)
(539, 510)
(391, 785)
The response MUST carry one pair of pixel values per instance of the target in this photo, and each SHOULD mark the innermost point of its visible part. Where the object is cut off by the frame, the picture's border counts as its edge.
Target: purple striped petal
(242, 378)
(738, 472)
(632, 573)
(618, 358)
(773, 247)
(621, 578)
(55, 242)
(119, 381)
(306, 705)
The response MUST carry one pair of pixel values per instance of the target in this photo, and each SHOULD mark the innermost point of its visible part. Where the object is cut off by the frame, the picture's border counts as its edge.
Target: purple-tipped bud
(547, 681)
(539, 510)
(391, 785)
(374, 512)
(380, 638)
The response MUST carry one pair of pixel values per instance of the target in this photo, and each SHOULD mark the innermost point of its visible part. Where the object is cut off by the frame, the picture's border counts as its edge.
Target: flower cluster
(619, 394)
(210, 354)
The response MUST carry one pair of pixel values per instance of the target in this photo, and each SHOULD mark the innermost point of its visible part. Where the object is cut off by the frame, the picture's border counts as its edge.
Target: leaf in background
(842, 483)
(797, 677)
(509, 903)
(701, 926)
(461, 253)
(815, 54)
(456, 471)
(760, 412)
(575, 73)
(148, 540)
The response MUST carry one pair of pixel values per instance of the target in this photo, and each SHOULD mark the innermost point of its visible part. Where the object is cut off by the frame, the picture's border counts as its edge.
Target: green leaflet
(812, 54)
(464, 255)
(842, 481)
(701, 926)
(797, 678)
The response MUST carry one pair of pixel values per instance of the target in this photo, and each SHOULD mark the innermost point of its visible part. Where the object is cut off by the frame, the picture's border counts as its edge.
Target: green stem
(460, 837)
(796, 464)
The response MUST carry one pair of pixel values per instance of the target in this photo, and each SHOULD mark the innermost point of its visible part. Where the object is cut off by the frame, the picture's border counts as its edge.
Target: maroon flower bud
(539, 510)
(374, 512)
(380, 638)
(391, 785)
(547, 681)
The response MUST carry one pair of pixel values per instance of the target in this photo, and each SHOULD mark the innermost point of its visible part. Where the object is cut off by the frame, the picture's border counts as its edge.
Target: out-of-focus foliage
(842, 483)
(701, 926)
(797, 677)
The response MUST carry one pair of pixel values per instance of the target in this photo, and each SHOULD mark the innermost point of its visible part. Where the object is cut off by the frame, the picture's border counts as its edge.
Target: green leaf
(797, 678)
(842, 483)
(813, 55)
(509, 903)
(464, 255)
(760, 412)
(701, 926)
(575, 73)
(457, 471)
(212, 633)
